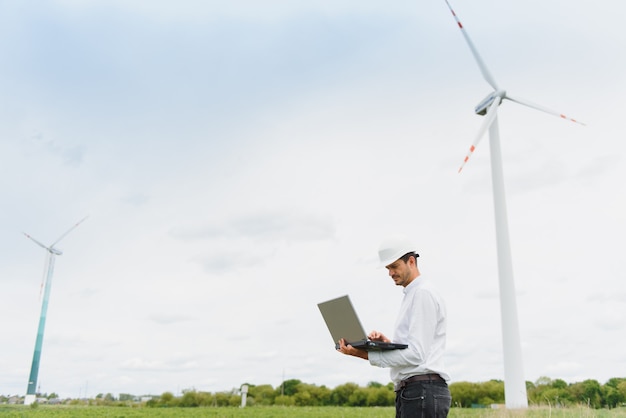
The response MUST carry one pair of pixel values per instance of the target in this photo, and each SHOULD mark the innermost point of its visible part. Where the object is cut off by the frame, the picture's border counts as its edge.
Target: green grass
(62, 411)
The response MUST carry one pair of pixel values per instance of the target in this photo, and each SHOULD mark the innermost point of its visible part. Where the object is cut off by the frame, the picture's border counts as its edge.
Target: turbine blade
(541, 108)
(36, 242)
(68, 231)
(483, 68)
(489, 118)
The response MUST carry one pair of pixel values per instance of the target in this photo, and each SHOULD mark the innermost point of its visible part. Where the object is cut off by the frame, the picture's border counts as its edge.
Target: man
(418, 372)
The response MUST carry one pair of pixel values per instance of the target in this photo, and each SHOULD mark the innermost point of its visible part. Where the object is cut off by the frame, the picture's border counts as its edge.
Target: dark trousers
(423, 400)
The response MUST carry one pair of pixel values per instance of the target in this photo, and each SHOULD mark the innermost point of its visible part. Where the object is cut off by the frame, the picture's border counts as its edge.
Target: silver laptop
(343, 322)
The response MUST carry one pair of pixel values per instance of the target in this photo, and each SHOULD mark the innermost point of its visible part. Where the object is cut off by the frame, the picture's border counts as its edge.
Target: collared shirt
(421, 324)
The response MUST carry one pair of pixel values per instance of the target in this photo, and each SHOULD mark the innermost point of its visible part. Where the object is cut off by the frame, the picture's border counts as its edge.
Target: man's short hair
(408, 255)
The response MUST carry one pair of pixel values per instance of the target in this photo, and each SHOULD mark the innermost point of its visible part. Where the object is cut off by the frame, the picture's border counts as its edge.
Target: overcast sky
(240, 162)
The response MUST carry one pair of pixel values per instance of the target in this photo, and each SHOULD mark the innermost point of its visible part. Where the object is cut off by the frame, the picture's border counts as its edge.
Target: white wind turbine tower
(514, 383)
(34, 369)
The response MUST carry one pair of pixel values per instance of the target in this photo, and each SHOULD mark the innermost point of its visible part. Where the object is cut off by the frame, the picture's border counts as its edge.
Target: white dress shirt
(421, 324)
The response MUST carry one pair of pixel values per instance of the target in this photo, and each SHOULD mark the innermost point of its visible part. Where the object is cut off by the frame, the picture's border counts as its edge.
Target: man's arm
(351, 351)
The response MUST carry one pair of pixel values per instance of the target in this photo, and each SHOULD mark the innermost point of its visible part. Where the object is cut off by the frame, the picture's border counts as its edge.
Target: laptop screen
(341, 319)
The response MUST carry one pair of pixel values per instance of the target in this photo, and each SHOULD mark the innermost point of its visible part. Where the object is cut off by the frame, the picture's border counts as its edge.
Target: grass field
(287, 412)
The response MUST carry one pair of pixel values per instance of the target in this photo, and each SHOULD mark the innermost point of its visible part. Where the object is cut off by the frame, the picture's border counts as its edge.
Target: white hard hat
(394, 247)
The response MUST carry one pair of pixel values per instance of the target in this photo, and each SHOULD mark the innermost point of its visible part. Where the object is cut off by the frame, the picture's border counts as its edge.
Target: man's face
(400, 272)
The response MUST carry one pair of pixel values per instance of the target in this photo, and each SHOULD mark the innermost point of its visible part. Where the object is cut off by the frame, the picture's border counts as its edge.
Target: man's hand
(351, 351)
(377, 336)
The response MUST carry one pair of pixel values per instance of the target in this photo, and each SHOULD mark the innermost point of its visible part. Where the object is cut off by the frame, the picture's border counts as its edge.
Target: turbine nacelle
(483, 106)
(50, 249)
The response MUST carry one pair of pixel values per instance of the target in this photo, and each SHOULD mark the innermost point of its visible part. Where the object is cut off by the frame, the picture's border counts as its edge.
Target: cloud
(289, 226)
(70, 155)
(169, 319)
(250, 240)
(602, 297)
(263, 225)
(233, 260)
(564, 368)
(598, 166)
(176, 364)
(136, 199)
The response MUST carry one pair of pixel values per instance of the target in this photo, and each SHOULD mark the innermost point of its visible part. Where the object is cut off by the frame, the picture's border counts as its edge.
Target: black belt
(432, 377)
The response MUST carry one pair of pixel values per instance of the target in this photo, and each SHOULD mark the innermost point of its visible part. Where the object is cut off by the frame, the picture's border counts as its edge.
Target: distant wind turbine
(34, 369)
(514, 383)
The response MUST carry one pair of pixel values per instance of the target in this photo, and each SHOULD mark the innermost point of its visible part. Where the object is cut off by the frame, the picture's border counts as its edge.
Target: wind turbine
(34, 368)
(514, 383)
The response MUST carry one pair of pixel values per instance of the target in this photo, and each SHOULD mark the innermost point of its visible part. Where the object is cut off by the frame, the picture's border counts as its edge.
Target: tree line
(293, 392)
